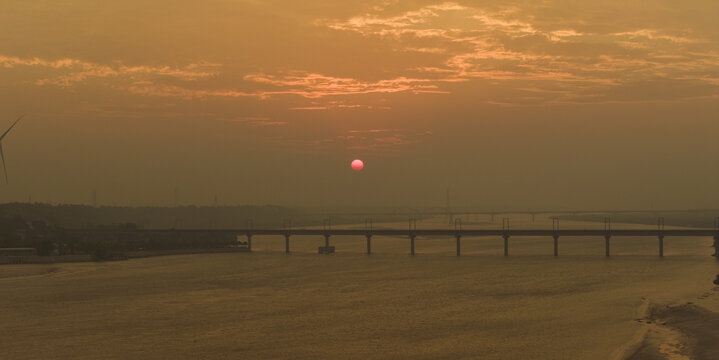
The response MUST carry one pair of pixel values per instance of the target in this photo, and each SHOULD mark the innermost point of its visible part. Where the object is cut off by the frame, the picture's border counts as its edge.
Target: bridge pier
(411, 244)
(327, 249)
(491, 217)
(287, 243)
(533, 217)
(716, 246)
(249, 242)
(369, 244)
(459, 251)
(660, 228)
(506, 245)
(661, 246)
(606, 245)
(556, 245)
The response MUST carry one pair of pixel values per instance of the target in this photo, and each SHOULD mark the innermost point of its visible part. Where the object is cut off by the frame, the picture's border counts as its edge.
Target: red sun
(357, 165)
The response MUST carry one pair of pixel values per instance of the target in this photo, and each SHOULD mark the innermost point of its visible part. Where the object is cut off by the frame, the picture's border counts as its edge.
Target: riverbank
(686, 330)
(8, 260)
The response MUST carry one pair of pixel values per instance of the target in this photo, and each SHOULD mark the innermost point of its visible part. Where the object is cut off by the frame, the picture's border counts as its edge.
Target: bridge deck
(423, 232)
(413, 233)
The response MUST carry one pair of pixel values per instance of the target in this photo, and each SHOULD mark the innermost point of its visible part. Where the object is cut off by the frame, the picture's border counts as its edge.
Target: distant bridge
(437, 210)
(412, 233)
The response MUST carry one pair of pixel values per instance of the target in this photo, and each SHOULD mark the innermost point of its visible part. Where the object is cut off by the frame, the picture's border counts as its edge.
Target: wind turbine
(2, 155)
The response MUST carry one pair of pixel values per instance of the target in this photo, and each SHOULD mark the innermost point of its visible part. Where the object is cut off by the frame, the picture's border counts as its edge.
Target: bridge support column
(556, 245)
(369, 244)
(491, 217)
(327, 249)
(411, 245)
(249, 242)
(459, 250)
(506, 245)
(716, 246)
(287, 243)
(533, 217)
(606, 245)
(661, 246)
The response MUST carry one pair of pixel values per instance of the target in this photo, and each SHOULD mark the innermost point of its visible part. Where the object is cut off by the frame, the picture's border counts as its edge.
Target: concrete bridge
(457, 234)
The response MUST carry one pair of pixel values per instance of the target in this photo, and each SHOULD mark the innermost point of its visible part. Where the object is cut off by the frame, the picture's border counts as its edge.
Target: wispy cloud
(505, 45)
(382, 140)
(656, 35)
(151, 88)
(384, 25)
(260, 121)
(509, 46)
(312, 85)
(77, 71)
(372, 131)
(337, 104)
(366, 141)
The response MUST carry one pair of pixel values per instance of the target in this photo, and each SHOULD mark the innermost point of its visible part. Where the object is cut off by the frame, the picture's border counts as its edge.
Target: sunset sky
(509, 104)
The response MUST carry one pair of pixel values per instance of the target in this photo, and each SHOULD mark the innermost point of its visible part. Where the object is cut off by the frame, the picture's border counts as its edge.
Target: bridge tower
(716, 237)
(505, 235)
(449, 209)
(412, 229)
(555, 235)
(368, 234)
(607, 234)
(458, 234)
(287, 225)
(660, 235)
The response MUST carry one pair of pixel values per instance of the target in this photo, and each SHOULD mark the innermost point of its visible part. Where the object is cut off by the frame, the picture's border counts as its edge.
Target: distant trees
(44, 226)
(18, 232)
(136, 241)
(15, 232)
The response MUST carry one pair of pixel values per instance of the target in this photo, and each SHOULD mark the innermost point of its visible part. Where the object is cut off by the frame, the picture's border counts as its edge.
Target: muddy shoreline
(687, 330)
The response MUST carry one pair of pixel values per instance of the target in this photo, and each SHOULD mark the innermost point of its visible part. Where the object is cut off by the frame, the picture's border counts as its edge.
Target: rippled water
(267, 305)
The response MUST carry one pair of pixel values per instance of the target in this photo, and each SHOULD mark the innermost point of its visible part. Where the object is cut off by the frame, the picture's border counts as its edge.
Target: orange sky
(508, 103)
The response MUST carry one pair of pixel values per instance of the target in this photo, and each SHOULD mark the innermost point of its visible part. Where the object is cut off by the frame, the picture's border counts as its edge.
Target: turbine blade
(2, 155)
(11, 126)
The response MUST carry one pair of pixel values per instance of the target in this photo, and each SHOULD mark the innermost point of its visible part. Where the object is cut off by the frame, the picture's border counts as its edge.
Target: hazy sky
(523, 104)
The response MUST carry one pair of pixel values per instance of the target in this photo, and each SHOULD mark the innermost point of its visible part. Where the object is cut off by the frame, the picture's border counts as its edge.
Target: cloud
(148, 81)
(656, 35)
(150, 88)
(78, 71)
(412, 22)
(309, 108)
(323, 104)
(313, 85)
(372, 131)
(382, 141)
(260, 121)
(510, 46)
(405, 20)
(513, 27)
(562, 58)
(425, 50)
